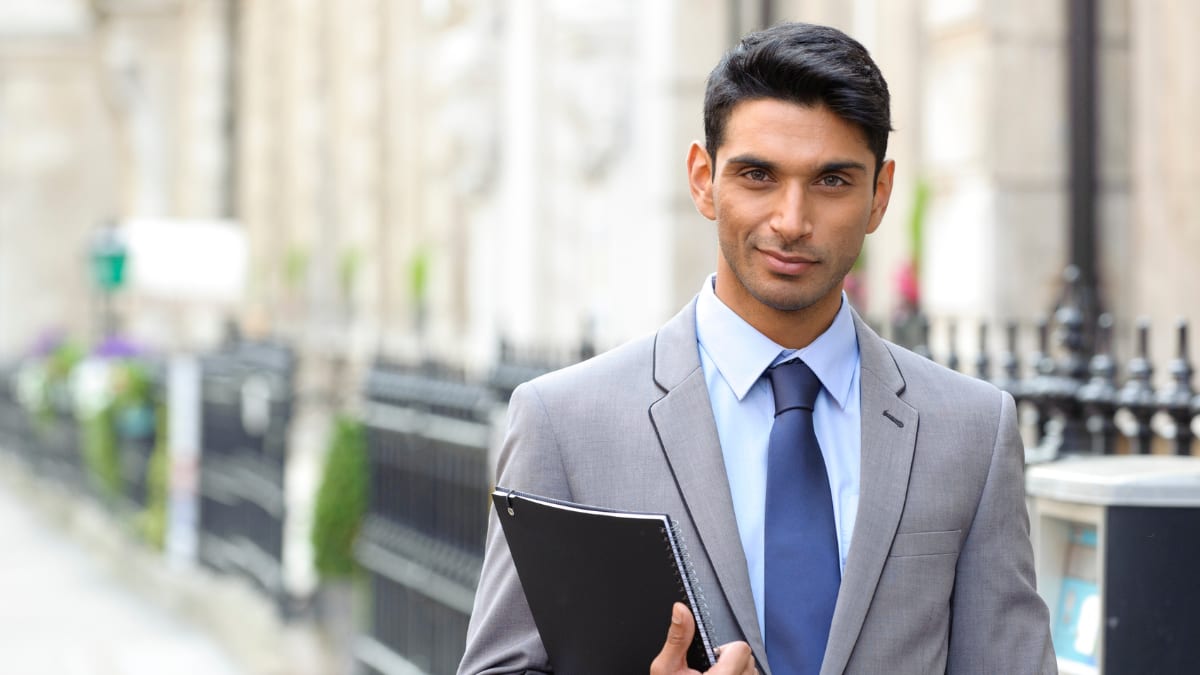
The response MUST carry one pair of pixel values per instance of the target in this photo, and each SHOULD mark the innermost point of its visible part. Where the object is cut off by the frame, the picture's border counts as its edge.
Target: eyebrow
(828, 167)
(752, 161)
(848, 165)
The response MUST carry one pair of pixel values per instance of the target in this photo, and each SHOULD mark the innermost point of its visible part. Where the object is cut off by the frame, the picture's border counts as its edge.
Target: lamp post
(108, 256)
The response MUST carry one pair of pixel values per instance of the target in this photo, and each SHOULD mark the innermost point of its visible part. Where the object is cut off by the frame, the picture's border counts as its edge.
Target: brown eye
(833, 181)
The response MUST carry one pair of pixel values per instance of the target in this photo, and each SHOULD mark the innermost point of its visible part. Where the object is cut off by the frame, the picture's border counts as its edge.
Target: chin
(783, 302)
(784, 297)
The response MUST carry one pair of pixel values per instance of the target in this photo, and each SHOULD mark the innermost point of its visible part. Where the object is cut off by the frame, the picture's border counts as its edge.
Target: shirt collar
(741, 353)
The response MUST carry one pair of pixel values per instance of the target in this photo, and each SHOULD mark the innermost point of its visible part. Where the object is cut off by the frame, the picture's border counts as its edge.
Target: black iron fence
(116, 454)
(53, 447)
(246, 410)
(516, 365)
(15, 427)
(428, 434)
(429, 431)
(56, 444)
(1075, 399)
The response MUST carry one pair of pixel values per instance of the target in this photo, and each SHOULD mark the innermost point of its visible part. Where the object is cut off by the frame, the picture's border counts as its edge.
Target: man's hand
(733, 658)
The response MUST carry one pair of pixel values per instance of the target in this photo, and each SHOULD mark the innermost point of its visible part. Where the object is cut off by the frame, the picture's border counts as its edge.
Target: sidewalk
(64, 612)
(79, 596)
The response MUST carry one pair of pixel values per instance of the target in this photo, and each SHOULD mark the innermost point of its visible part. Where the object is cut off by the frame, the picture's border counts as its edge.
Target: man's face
(794, 192)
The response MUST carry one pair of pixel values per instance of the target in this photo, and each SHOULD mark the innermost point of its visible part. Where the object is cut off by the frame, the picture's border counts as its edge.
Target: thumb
(673, 656)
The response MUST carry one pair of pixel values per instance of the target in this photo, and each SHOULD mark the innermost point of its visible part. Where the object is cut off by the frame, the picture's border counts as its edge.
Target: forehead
(777, 128)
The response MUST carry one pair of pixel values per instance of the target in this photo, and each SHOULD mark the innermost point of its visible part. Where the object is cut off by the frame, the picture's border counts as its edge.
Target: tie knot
(795, 385)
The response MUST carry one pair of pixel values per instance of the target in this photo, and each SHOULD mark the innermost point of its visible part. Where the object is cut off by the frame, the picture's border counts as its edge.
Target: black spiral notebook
(601, 583)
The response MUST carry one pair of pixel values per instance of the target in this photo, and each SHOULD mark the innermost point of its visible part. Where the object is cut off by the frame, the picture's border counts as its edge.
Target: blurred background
(269, 270)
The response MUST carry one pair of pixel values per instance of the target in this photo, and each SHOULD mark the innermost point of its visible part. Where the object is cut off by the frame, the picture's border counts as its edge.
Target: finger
(735, 657)
(673, 656)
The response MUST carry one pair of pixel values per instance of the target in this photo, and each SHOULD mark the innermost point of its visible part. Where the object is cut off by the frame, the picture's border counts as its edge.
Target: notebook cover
(600, 583)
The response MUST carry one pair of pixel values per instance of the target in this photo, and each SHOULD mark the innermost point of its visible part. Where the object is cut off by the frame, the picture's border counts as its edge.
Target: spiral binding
(689, 585)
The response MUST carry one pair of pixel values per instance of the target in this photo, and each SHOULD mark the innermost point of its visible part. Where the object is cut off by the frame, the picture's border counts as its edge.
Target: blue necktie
(802, 572)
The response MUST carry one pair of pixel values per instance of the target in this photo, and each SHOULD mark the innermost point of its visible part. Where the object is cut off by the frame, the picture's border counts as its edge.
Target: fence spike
(1010, 365)
(1039, 385)
(1098, 396)
(1043, 362)
(952, 356)
(922, 348)
(1176, 397)
(982, 362)
(1137, 396)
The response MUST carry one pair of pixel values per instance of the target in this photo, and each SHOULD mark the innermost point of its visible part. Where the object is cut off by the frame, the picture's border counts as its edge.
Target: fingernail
(675, 618)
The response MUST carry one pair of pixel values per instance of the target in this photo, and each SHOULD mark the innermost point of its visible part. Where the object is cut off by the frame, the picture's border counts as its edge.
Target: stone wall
(528, 155)
(59, 174)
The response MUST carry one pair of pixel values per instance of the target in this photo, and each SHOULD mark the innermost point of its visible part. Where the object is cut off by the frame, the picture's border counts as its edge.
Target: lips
(787, 263)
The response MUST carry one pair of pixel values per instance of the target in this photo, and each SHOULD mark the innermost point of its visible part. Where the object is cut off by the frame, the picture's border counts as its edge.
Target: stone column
(995, 153)
(592, 168)
(700, 32)
(1160, 263)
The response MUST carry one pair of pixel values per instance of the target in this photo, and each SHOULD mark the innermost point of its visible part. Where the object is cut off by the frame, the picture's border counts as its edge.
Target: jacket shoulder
(934, 384)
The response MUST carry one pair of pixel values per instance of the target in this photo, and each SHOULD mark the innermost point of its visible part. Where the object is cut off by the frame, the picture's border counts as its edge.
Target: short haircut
(805, 64)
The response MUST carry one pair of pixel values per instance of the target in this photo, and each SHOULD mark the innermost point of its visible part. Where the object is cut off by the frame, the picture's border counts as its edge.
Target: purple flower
(115, 347)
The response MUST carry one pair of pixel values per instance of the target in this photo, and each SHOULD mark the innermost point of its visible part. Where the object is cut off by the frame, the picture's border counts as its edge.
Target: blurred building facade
(422, 179)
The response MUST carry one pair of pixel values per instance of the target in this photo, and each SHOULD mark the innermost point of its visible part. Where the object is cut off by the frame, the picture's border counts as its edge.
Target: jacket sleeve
(501, 637)
(999, 624)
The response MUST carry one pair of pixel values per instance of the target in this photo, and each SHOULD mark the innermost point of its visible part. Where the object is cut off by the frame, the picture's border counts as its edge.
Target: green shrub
(131, 383)
(131, 415)
(152, 521)
(100, 452)
(53, 397)
(341, 500)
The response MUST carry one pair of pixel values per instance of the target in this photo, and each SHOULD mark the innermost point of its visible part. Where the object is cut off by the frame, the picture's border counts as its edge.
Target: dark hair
(805, 64)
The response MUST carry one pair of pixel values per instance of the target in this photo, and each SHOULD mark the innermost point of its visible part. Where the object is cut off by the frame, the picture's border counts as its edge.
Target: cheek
(851, 221)
(850, 213)
(737, 218)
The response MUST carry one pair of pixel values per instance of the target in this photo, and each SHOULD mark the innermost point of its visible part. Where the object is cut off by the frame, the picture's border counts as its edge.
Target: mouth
(788, 264)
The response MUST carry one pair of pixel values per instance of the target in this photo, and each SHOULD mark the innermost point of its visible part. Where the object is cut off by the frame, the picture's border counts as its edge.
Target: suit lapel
(889, 432)
(687, 430)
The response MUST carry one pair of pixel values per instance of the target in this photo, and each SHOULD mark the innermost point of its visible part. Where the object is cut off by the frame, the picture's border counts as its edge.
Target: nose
(790, 219)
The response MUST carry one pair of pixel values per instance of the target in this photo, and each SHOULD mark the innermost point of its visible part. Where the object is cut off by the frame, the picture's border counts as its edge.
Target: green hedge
(341, 500)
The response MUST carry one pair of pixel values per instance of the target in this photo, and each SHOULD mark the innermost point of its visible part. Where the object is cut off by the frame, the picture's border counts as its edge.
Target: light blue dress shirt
(734, 356)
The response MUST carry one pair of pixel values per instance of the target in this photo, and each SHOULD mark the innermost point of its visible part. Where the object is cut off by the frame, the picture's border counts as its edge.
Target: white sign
(187, 260)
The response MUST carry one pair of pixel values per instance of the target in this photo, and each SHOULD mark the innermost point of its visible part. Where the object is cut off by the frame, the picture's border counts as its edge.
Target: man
(875, 523)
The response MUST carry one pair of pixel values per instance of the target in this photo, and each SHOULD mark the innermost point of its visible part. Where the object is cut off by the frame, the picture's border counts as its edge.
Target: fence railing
(428, 435)
(246, 409)
(516, 365)
(15, 426)
(1075, 398)
(53, 441)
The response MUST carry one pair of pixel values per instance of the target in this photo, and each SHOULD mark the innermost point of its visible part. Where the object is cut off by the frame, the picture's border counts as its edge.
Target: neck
(792, 329)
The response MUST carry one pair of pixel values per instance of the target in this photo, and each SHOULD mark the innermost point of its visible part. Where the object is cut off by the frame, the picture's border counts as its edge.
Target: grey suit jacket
(939, 577)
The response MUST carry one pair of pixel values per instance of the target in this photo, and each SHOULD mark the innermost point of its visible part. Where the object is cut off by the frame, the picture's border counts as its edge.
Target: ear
(700, 180)
(883, 194)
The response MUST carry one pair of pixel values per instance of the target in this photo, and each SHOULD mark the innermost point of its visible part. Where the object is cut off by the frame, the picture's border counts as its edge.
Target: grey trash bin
(1117, 548)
